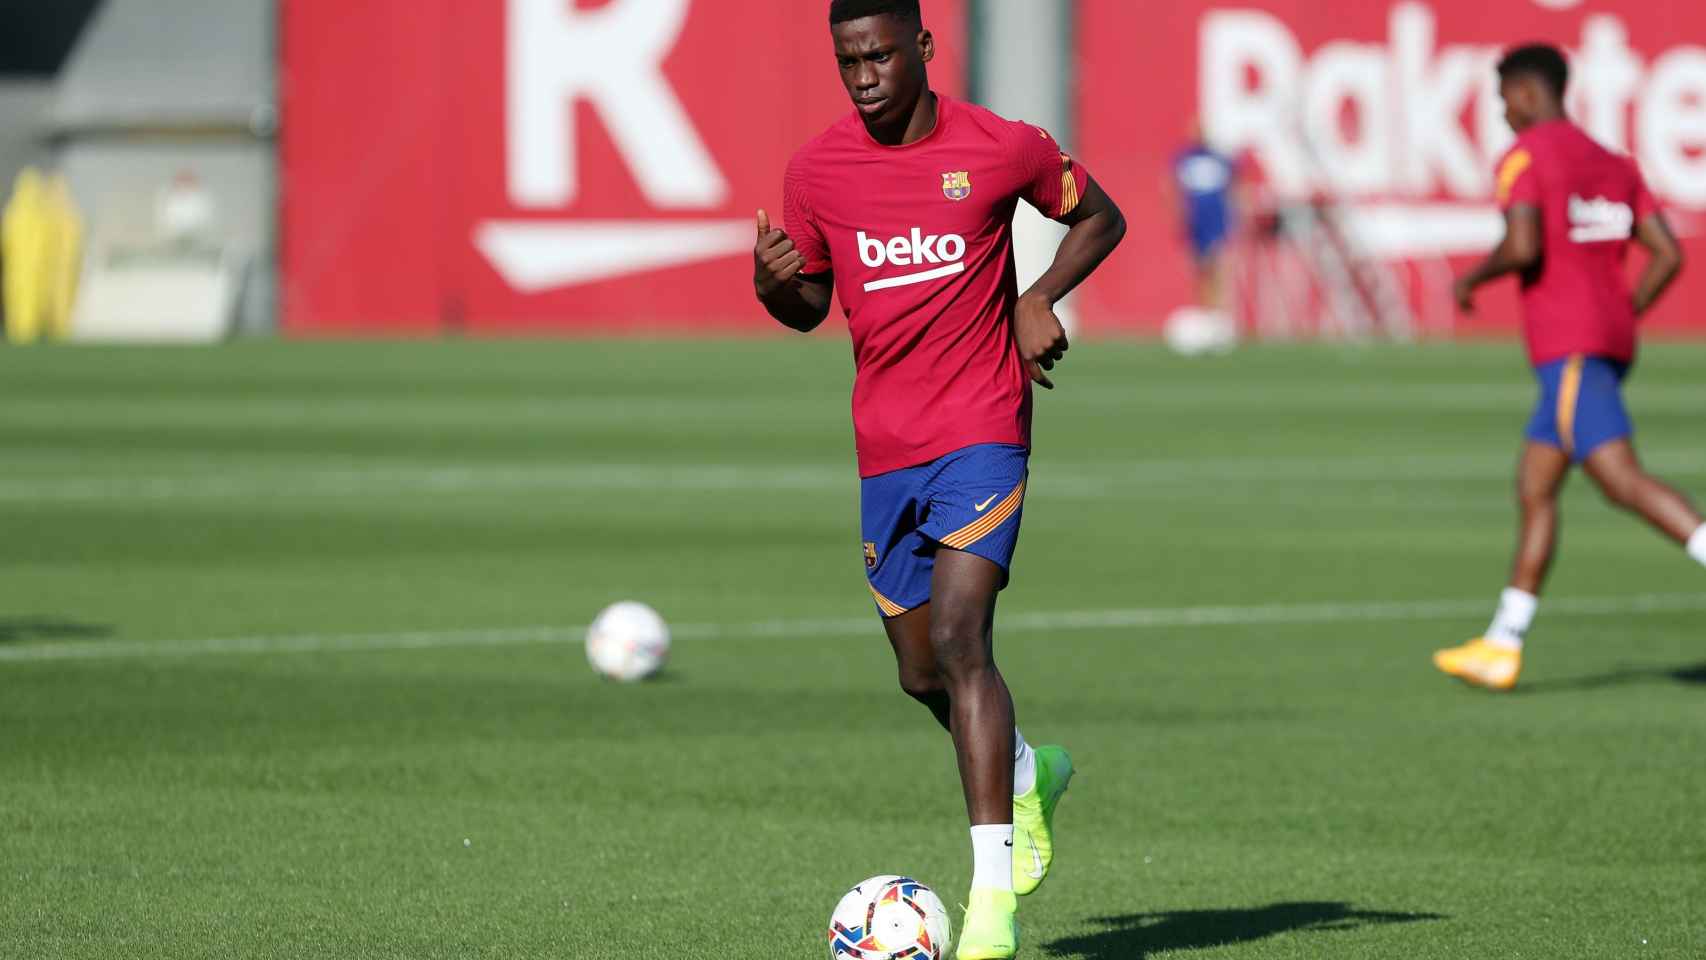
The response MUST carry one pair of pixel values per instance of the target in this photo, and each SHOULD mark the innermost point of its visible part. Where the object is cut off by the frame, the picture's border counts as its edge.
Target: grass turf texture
(1247, 790)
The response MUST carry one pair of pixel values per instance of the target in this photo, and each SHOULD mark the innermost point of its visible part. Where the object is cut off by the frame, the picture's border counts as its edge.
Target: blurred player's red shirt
(1578, 299)
(920, 238)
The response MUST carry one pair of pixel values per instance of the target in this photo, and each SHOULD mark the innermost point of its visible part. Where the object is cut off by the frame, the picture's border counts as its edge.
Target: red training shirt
(1577, 299)
(920, 238)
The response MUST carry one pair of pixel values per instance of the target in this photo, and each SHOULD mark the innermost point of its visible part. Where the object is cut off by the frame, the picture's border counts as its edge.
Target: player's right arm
(1519, 198)
(1518, 251)
(796, 299)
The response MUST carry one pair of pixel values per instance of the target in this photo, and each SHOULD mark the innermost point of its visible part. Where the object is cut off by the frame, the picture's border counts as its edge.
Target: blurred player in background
(904, 208)
(1571, 209)
(1199, 183)
(1203, 180)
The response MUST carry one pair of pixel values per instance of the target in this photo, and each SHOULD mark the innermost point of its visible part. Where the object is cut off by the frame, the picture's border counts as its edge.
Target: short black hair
(1538, 60)
(841, 11)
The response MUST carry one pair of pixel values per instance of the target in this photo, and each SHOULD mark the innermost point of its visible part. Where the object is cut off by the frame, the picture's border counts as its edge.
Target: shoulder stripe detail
(985, 525)
(1514, 166)
(1068, 187)
(888, 607)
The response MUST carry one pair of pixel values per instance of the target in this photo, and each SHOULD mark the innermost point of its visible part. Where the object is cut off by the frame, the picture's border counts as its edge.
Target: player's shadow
(1134, 936)
(1690, 673)
(15, 629)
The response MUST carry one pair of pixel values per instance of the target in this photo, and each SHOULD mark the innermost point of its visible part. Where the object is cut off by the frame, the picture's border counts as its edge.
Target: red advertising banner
(1385, 118)
(545, 165)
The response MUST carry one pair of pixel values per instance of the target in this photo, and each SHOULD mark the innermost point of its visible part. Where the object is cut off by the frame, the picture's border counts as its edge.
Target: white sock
(1024, 765)
(1516, 612)
(1697, 544)
(992, 856)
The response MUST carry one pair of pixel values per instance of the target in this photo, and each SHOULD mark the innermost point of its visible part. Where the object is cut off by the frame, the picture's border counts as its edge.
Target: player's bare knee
(1621, 489)
(1536, 500)
(960, 648)
(920, 684)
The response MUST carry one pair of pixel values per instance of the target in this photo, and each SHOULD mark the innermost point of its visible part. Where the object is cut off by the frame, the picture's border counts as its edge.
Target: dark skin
(1613, 466)
(945, 652)
(945, 648)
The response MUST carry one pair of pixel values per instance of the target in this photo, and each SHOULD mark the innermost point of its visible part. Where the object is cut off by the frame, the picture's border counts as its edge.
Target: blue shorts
(1207, 238)
(1581, 405)
(969, 500)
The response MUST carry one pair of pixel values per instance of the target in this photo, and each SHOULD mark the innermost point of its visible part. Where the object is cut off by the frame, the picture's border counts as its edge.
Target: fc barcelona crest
(956, 185)
(870, 555)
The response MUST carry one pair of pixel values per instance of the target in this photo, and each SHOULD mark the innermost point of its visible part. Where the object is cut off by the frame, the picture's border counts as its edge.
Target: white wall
(1023, 70)
(23, 111)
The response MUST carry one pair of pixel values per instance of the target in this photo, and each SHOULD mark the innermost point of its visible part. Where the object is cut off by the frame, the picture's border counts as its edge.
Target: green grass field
(291, 666)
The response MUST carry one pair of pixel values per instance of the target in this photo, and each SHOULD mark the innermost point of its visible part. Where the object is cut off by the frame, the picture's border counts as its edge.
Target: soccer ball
(628, 641)
(1196, 331)
(889, 918)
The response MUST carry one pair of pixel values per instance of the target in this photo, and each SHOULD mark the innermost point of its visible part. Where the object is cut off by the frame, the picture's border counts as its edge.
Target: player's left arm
(1095, 228)
(1664, 260)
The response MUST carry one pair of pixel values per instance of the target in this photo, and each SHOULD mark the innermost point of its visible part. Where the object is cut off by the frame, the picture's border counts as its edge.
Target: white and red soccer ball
(628, 641)
(889, 918)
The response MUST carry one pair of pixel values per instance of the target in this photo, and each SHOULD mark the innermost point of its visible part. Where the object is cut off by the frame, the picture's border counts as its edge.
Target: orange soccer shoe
(1481, 663)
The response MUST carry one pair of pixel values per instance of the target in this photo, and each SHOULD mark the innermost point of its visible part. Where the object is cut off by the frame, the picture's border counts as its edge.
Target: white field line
(1135, 618)
(1062, 479)
(397, 412)
(391, 481)
(1506, 395)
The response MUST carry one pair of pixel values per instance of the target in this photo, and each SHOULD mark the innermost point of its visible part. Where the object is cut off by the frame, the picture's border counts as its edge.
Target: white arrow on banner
(1400, 231)
(535, 256)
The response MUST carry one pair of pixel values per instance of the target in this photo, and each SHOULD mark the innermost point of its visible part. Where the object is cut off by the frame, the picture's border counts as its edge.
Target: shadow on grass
(14, 629)
(1693, 673)
(1134, 936)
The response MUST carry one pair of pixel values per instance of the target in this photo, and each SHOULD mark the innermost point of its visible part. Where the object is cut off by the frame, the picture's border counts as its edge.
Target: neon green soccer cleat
(1033, 819)
(990, 931)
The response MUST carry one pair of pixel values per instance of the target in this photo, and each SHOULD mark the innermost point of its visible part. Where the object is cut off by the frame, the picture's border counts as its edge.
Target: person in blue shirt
(1203, 181)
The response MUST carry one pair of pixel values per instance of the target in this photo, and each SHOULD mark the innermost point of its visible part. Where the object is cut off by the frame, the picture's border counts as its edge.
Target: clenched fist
(1042, 339)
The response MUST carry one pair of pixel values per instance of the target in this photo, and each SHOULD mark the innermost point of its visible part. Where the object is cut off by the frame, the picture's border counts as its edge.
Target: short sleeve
(1053, 182)
(800, 221)
(1645, 204)
(1517, 181)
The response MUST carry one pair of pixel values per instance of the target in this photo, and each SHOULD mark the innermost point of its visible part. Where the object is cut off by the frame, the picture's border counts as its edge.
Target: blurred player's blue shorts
(1207, 234)
(1581, 405)
(969, 500)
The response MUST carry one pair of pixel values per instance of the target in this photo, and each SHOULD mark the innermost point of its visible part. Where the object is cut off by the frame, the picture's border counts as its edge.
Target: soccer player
(1203, 181)
(1571, 208)
(904, 208)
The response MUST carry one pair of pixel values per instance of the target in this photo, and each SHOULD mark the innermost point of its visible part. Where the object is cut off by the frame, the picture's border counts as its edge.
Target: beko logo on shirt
(916, 250)
(1599, 220)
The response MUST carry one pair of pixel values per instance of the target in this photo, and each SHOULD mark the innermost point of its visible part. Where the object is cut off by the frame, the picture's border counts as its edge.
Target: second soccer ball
(627, 641)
